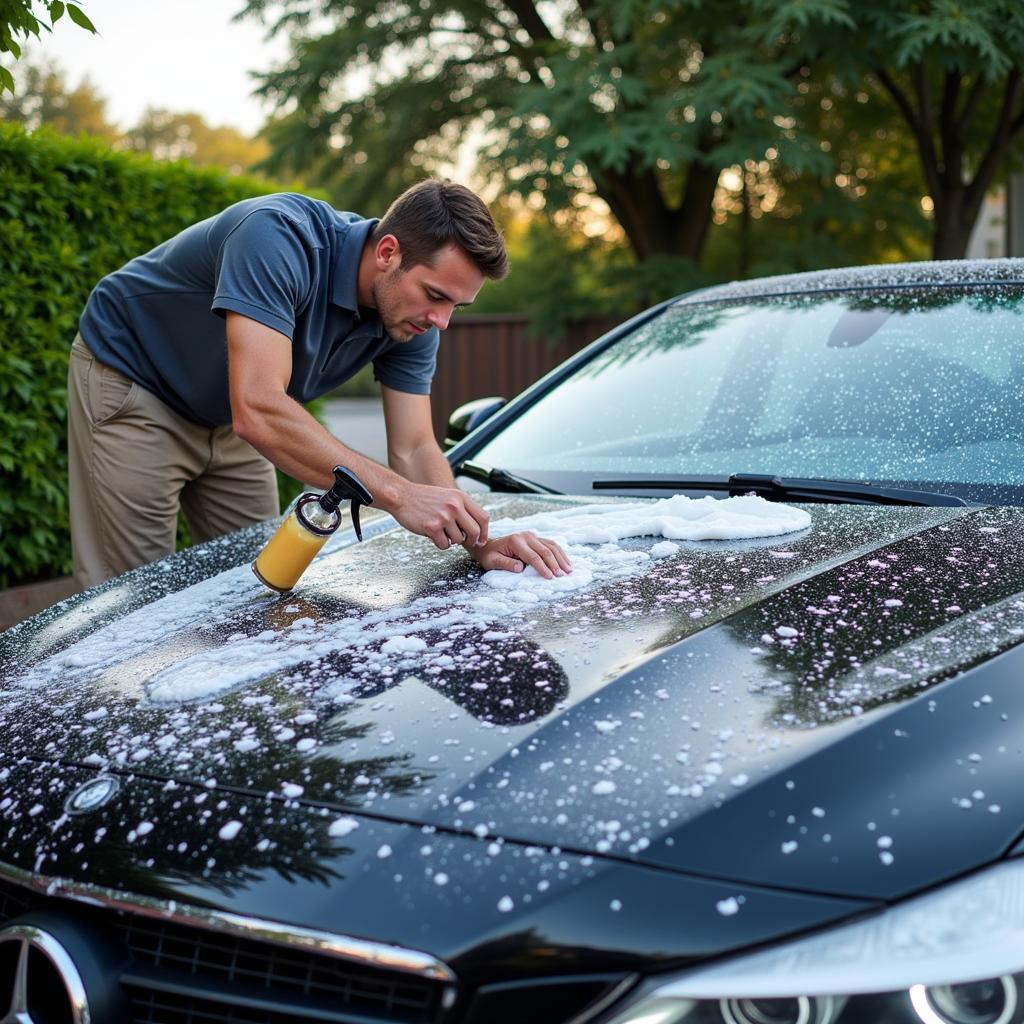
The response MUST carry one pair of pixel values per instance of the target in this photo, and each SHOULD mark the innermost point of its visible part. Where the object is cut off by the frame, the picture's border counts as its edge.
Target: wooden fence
(484, 354)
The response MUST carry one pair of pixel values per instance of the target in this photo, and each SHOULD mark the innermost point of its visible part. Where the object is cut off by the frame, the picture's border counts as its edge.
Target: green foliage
(952, 70)
(559, 275)
(863, 207)
(644, 102)
(21, 18)
(44, 97)
(639, 101)
(982, 35)
(70, 212)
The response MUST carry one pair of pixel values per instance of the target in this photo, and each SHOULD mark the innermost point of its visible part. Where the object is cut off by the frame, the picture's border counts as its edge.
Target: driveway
(358, 423)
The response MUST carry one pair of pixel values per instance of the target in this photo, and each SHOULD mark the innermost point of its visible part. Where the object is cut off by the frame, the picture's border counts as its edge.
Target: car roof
(885, 275)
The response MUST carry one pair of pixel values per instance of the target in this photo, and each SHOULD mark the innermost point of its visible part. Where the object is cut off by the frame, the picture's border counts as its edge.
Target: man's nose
(439, 317)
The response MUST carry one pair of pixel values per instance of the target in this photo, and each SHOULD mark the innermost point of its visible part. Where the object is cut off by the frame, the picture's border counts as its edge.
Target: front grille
(14, 901)
(258, 964)
(180, 974)
(174, 973)
(165, 1008)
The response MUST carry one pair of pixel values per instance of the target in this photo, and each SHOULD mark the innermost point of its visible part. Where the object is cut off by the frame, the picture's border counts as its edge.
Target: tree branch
(1018, 126)
(947, 115)
(900, 97)
(952, 149)
(924, 143)
(924, 104)
(1000, 143)
(529, 18)
(963, 123)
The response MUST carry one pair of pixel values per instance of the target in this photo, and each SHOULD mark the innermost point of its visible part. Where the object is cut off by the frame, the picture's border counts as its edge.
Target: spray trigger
(347, 485)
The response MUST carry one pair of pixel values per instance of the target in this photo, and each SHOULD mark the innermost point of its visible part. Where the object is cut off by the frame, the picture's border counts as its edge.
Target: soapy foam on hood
(590, 535)
(675, 518)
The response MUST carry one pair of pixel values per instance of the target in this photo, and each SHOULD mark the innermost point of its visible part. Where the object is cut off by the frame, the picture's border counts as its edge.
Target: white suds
(403, 645)
(665, 549)
(230, 830)
(342, 827)
(591, 536)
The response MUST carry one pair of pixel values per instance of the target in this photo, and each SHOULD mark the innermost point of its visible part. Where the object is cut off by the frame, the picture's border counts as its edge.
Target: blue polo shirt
(286, 260)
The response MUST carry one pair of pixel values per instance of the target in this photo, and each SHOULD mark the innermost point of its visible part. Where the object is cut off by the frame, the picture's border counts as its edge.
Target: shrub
(71, 210)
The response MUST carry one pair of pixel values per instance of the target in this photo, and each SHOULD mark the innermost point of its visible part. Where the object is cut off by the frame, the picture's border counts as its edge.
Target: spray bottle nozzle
(347, 485)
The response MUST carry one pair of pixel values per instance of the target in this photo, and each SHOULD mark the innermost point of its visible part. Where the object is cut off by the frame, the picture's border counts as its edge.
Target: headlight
(954, 956)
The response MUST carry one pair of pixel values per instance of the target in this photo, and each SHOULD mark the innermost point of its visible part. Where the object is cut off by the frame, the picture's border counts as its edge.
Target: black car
(771, 780)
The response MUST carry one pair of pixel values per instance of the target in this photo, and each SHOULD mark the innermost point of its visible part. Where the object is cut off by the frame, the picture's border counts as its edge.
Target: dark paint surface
(490, 910)
(672, 684)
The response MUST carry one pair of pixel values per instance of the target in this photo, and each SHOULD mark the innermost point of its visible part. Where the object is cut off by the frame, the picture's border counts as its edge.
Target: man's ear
(388, 253)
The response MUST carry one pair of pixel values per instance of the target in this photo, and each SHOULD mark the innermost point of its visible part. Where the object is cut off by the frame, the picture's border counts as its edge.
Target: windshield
(914, 387)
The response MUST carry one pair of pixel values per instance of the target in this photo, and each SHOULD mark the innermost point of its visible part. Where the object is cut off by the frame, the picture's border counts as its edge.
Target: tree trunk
(951, 237)
(651, 226)
(696, 211)
(957, 197)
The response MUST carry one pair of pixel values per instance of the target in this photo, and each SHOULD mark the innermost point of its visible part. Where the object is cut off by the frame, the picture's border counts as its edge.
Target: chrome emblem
(91, 796)
(40, 964)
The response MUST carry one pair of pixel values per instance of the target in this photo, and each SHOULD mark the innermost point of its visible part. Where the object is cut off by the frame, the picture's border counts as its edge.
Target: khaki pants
(132, 461)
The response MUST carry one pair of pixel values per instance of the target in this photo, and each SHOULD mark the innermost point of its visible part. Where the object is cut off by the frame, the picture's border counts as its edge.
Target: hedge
(71, 210)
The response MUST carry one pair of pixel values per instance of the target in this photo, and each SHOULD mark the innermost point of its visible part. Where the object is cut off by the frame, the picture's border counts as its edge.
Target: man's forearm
(423, 465)
(262, 413)
(294, 441)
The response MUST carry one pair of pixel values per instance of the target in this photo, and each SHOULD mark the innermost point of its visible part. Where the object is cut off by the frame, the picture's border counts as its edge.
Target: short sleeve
(409, 366)
(263, 271)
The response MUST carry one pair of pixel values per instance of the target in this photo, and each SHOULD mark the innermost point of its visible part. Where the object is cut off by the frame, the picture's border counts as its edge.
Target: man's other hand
(446, 515)
(518, 550)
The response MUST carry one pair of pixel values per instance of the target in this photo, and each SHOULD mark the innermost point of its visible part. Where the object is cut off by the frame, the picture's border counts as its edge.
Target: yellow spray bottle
(305, 530)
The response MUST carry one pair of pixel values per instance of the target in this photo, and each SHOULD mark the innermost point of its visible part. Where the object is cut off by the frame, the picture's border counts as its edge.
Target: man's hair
(433, 214)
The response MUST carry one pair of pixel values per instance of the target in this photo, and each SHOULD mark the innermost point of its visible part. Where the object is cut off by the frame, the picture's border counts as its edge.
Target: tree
(863, 208)
(639, 103)
(23, 18)
(954, 70)
(557, 273)
(167, 135)
(44, 98)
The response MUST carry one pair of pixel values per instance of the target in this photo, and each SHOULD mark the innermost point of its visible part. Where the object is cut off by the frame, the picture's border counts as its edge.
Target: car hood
(829, 711)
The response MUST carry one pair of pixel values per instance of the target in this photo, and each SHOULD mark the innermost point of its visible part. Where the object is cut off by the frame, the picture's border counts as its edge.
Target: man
(186, 379)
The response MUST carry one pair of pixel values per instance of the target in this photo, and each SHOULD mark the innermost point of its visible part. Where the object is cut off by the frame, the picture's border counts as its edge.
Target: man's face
(412, 301)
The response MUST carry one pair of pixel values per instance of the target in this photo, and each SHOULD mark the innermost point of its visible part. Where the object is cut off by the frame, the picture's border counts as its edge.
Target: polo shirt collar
(345, 278)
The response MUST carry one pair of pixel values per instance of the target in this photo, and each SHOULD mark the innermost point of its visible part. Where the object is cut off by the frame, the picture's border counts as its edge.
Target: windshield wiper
(792, 488)
(502, 479)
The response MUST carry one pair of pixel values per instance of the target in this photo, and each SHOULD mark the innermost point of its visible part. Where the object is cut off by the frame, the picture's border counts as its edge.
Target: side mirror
(469, 416)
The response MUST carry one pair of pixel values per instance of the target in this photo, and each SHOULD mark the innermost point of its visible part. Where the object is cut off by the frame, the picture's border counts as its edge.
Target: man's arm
(413, 451)
(259, 368)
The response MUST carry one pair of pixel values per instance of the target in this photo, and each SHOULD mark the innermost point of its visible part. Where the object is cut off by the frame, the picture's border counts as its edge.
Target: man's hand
(446, 515)
(518, 550)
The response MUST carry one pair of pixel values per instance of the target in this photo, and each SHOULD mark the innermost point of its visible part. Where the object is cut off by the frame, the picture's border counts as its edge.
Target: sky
(183, 55)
